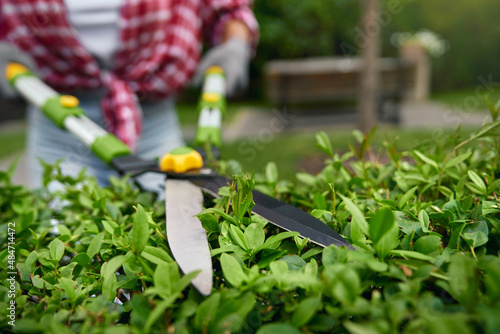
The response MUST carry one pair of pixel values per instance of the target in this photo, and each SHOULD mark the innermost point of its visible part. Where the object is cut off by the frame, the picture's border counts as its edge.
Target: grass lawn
(293, 152)
(188, 113)
(468, 99)
(12, 142)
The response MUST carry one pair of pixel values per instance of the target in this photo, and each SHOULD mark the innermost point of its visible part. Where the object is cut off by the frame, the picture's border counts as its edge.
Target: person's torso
(152, 45)
(97, 25)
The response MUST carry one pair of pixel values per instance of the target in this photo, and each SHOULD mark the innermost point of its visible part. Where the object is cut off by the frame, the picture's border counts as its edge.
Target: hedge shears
(184, 168)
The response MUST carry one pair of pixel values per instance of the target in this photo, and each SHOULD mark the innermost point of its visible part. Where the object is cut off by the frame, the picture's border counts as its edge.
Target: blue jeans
(160, 134)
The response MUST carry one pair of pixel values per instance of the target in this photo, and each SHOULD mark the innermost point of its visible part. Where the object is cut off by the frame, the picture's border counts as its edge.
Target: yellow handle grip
(14, 69)
(181, 160)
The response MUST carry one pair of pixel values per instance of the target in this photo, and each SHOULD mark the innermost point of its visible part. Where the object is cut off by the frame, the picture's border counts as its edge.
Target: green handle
(211, 108)
(65, 112)
(55, 109)
(108, 147)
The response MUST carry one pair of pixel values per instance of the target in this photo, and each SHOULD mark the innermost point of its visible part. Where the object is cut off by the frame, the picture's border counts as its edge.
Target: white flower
(434, 44)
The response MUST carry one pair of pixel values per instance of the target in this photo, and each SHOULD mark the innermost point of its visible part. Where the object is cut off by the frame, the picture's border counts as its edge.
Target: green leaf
(271, 172)
(98, 304)
(343, 283)
(457, 160)
(238, 237)
(95, 245)
(458, 227)
(473, 188)
(157, 312)
(233, 312)
(109, 226)
(255, 236)
(231, 268)
(56, 248)
(426, 159)
(477, 180)
(321, 323)
(369, 327)
(140, 229)
(110, 281)
(464, 283)
(112, 210)
(456, 209)
(209, 222)
(220, 213)
(68, 286)
(365, 143)
(411, 255)
(242, 199)
(358, 135)
(278, 267)
(269, 255)
(406, 197)
(31, 260)
(67, 271)
(381, 223)
(429, 245)
(407, 225)
(383, 231)
(484, 131)
(306, 178)
(492, 108)
(37, 282)
(274, 241)
(491, 266)
(358, 222)
(85, 200)
(156, 255)
(295, 262)
(319, 201)
(63, 229)
(311, 252)
(259, 220)
(423, 218)
(166, 277)
(305, 310)
(277, 327)
(82, 259)
(207, 311)
(323, 143)
(494, 222)
(109, 268)
(476, 234)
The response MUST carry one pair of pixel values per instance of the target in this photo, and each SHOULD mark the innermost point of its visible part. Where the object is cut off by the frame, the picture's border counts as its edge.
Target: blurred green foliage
(298, 28)
(469, 28)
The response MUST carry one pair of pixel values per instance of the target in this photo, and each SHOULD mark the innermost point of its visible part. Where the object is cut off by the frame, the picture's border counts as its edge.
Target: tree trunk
(369, 44)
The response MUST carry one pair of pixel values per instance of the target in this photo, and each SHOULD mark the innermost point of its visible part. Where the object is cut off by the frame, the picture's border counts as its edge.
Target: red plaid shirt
(159, 51)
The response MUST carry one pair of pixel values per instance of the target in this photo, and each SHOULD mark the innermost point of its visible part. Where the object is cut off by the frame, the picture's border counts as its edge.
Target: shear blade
(186, 237)
(282, 214)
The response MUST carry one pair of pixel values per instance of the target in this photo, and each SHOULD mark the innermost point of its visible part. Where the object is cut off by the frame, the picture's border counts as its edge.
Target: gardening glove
(10, 54)
(233, 56)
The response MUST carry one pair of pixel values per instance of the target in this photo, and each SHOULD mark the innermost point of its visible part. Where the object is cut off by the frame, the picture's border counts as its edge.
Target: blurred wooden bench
(337, 78)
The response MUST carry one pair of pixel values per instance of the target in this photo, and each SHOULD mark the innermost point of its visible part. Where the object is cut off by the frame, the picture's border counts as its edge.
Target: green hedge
(425, 225)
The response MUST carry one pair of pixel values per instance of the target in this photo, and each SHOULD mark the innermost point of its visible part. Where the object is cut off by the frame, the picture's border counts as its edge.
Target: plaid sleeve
(216, 13)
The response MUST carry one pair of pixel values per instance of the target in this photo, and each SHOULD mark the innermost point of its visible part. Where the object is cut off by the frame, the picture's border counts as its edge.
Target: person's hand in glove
(9, 54)
(233, 55)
